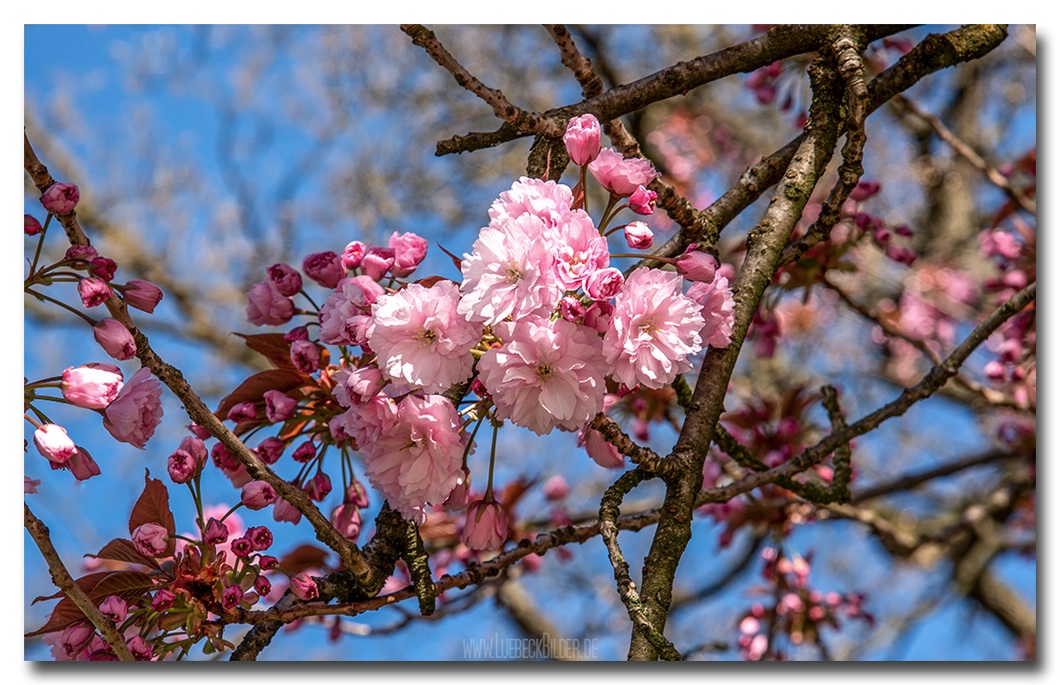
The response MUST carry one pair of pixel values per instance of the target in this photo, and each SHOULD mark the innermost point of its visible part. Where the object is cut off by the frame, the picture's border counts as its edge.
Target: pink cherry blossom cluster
(537, 327)
(799, 614)
(132, 409)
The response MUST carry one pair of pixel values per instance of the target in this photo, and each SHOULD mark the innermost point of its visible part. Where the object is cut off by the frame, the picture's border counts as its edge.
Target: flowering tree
(742, 373)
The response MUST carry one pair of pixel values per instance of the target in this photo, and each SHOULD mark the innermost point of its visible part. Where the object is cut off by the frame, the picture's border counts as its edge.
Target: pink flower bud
(582, 139)
(305, 452)
(215, 533)
(114, 608)
(267, 306)
(262, 586)
(602, 452)
(150, 539)
(318, 487)
(33, 227)
(696, 266)
(598, 316)
(900, 254)
(162, 600)
(260, 537)
(353, 254)
(231, 597)
(285, 511)
(278, 406)
(572, 309)
(364, 383)
(486, 526)
(642, 201)
(143, 295)
(76, 637)
(287, 281)
(305, 355)
(347, 520)
(115, 339)
(304, 587)
(257, 495)
(638, 235)
(864, 190)
(199, 431)
(103, 267)
(182, 466)
(141, 651)
(556, 488)
(621, 176)
(92, 386)
(377, 262)
(60, 198)
(325, 268)
(268, 563)
(409, 250)
(603, 284)
(241, 547)
(93, 291)
(296, 333)
(80, 253)
(194, 446)
(54, 444)
(358, 496)
(81, 465)
(994, 370)
(243, 411)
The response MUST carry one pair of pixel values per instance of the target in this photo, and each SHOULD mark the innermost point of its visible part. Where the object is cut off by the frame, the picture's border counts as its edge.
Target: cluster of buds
(799, 615)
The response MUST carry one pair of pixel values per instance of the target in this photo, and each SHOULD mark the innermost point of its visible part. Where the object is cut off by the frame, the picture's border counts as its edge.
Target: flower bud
(115, 339)
(638, 235)
(582, 139)
(486, 526)
(287, 281)
(150, 539)
(603, 284)
(216, 532)
(257, 495)
(325, 268)
(92, 386)
(93, 291)
(353, 254)
(143, 295)
(642, 201)
(696, 266)
(409, 250)
(33, 227)
(54, 444)
(304, 587)
(60, 198)
(278, 406)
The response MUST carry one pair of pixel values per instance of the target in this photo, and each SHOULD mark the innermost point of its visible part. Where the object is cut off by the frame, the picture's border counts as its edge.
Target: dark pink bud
(286, 279)
(305, 452)
(903, 231)
(278, 406)
(199, 431)
(901, 254)
(268, 563)
(358, 496)
(143, 295)
(325, 268)
(103, 267)
(115, 339)
(599, 315)
(150, 539)
(318, 487)
(216, 532)
(81, 253)
(257, 495)
(347, 520)
(571, 309)
(262, 585)
(241, 547)
(296, 333)
(162, 600)
(270, 450)
(141, 651)
(93, 291)
(114, 608)
(244, 411)
(864, 190)
(260, 538)
(232, 596)
(82, 465)
(304, 587)
(60, 198)
(33, 227)
(305, 355)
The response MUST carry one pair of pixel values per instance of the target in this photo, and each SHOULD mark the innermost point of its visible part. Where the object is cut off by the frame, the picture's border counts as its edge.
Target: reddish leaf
(124, 584)
(303, 557)
(86, 583)
(273, 347)
(514, 491)
(121, 549)
(253, 388)
(456, 260)
(153, 507)
(431, 281)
